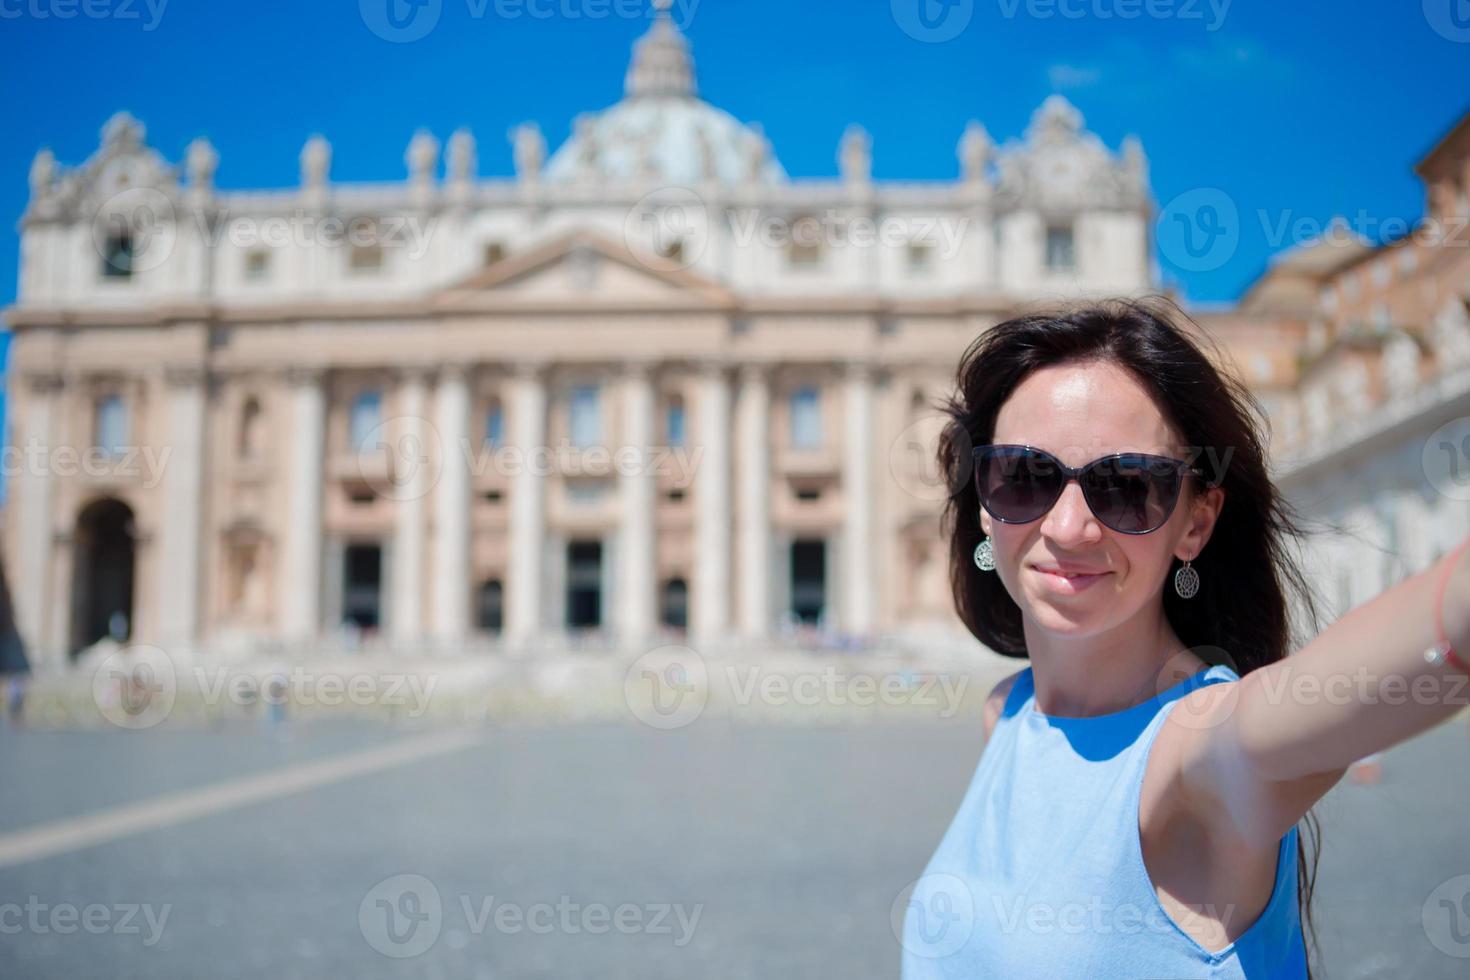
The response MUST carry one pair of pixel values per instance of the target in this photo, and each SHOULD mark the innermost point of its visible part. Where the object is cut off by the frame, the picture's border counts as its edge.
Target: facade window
(921, 257)
(586, 416)
(117, 255)
(1061, 249)
(674, 422)
(365, 258)
(805, 248)
(806, 418)
(494, 426)
(112, 425)
(257, 265)
(1382, 319)
(366, 416)
(586, 493)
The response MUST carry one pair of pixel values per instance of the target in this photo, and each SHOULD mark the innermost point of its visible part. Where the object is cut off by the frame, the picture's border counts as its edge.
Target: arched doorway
(102, 576)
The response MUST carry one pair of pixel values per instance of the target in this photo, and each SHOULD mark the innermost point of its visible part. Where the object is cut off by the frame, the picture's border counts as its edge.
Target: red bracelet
(1441, 651)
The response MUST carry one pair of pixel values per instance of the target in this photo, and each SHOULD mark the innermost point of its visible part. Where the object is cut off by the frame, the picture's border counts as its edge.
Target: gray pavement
(723, 849)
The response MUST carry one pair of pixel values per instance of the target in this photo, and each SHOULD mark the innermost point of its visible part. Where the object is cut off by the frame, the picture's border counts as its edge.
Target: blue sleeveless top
(1041, 872)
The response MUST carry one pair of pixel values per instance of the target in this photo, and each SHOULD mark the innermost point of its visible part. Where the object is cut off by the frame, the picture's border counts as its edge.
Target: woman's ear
(1203, 517)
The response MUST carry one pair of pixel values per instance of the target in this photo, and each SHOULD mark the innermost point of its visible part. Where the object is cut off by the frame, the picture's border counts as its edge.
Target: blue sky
(1300, 109)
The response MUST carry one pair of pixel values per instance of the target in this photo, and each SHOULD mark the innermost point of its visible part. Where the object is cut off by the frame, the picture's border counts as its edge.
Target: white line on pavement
(74, 833)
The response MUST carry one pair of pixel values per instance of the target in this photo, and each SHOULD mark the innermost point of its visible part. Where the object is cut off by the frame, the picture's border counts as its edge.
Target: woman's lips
(1069, 584)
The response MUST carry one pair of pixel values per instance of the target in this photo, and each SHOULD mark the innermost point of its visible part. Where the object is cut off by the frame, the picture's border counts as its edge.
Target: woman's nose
(1069, 518)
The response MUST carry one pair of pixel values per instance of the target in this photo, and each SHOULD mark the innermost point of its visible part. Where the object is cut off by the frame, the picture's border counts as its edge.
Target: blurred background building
(650, 387)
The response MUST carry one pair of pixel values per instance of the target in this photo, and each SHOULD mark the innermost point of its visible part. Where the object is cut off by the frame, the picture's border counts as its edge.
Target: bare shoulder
(995, 702)
(1195, 759)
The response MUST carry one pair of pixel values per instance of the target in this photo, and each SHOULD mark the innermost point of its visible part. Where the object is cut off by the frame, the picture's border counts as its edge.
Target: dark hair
(1213, 413)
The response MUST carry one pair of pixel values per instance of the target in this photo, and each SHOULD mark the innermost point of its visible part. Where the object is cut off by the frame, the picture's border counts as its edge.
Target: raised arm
(1262, 751)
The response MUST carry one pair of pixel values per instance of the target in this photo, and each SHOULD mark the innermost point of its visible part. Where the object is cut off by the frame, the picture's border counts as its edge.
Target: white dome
(662, 130)
(680, 141)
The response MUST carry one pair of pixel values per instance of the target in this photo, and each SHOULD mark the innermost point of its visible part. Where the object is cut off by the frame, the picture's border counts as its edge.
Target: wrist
(1451, 609)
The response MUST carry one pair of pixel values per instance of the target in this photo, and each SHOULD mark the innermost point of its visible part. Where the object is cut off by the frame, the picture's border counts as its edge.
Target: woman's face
(1079, 412)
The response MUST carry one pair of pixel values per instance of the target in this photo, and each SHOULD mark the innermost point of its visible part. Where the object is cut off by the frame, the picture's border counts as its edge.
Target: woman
(1134, 811)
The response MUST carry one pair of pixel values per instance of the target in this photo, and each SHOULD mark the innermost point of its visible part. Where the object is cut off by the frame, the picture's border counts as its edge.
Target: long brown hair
(1212, 411)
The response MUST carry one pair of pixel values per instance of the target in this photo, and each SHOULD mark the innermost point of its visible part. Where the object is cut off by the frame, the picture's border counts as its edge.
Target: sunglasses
(1132, 493)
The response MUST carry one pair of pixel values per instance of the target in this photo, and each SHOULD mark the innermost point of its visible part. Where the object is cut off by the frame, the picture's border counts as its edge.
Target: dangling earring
(1186, 581)
(985, 556)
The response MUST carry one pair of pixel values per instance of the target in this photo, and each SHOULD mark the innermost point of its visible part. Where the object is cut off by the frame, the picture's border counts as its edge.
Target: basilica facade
(650, 387)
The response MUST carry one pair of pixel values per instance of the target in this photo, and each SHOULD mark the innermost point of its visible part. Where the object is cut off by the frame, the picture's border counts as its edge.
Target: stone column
(753, 502)
(452, 508)
(32, 490)
(710, 615)
(857, 486)
(409, 480)
(179, 568)
(527, 504)
(637, 598)
(301, 558)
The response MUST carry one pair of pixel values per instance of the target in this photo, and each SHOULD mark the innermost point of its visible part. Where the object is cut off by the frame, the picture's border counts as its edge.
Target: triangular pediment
(585, 268)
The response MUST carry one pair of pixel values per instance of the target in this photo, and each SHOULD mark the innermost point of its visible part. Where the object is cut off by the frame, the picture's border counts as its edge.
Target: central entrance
(584, 585)
(808, 580)
(102, 580)
(362, 585)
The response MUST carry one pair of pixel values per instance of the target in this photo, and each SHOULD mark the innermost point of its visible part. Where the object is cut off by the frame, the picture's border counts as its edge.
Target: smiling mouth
(1069, 581)
(1058, 573)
